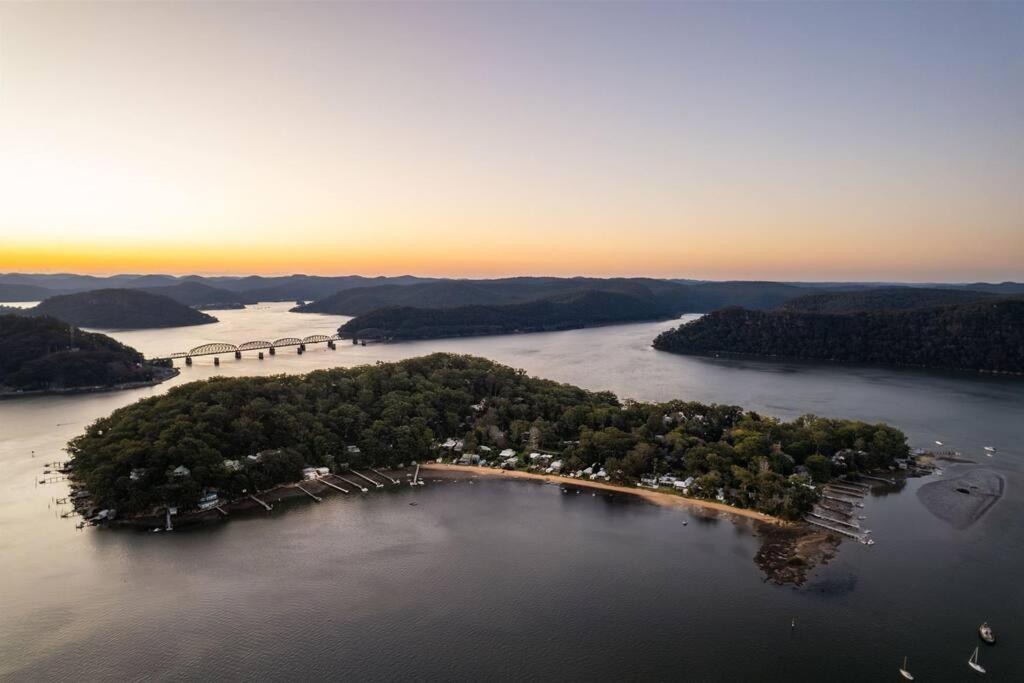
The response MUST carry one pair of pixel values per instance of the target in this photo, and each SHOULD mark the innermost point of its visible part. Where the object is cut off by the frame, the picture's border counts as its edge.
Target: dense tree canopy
(120, 309)
(44, 353)
(980, 336)
(398, 412)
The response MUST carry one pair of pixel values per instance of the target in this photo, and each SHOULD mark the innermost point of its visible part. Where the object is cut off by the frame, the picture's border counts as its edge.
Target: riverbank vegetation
(168, 449)
(45, 354)
(986, 336)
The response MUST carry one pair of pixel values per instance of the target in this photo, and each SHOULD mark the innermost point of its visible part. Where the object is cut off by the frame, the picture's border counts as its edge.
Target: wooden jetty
(884, 481)
(377, 484)
(323, 480)
(268, 507)
(416, 477)
(839, 530)
(221, 510)
(381, 474)
(357, 485)
(827, 518)
(848, 490)
(316, 498)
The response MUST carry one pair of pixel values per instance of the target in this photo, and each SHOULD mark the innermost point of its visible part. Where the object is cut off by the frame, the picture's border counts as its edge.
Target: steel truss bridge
(219, 348)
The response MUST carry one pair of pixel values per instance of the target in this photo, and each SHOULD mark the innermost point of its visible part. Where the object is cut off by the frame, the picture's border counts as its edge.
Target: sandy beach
(656, 497)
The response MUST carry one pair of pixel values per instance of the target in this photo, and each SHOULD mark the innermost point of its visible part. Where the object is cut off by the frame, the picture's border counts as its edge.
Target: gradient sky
(779, 141)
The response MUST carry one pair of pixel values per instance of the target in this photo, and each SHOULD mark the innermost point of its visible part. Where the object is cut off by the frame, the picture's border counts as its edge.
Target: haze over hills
(192, 293)
(884, 299)
(120, 309)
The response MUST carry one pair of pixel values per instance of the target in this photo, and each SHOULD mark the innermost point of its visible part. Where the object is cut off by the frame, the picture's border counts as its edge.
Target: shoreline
(70, 391)
(659, 498)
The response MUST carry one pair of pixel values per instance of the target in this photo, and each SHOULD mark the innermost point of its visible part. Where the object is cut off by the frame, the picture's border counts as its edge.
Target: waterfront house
(309, 473)
(322, 471)
(137, 473)
(208, 500)
(181, 471)
(232, 465)
(667, 480)
(646, 481)
(353, 450)
(507, 453)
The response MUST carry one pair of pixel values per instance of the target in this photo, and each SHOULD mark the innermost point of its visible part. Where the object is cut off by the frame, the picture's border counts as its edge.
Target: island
(986, 336)
(225, 438)
(568, 311)
(120, 309)
(45, 355)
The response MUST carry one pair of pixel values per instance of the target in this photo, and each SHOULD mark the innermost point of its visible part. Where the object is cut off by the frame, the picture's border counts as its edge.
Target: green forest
(398, 412)
(42, 353)
(120, 309)
(980, 336)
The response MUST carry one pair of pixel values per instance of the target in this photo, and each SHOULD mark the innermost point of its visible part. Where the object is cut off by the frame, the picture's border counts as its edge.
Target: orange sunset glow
(479, 141)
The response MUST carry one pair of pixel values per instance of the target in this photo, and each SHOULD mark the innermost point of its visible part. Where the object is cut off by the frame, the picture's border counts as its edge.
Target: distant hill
(884, 299)
(567, 311)
(24, 292)
(674, 297)
(199, 294)
(985, 336)
(42, 353)
(121, 309)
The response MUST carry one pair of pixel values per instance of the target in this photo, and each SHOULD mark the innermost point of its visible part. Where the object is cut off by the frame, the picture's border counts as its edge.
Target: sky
(832, 141)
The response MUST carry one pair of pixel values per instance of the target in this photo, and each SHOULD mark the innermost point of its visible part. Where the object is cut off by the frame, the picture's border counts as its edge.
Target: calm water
(505, 579)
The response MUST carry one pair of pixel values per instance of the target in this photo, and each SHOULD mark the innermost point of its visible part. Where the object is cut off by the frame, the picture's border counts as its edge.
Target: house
(232, 465)
(322, 471)
(601, 474)
(137, 473)
(181, 471)
(646, 481)
(252, 459)
(309, 473)
(353, 450)
(556, 466)
(507, 453)
(485, 449)
(208, 500)
(667, 480)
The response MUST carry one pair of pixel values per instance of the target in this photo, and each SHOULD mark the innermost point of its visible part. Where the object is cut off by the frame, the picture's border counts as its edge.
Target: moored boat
(905, 672)
(985, 631)
(973, 662)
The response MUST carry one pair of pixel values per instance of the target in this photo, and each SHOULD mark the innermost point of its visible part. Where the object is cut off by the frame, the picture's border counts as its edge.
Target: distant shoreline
(659, 498)
(13, 394)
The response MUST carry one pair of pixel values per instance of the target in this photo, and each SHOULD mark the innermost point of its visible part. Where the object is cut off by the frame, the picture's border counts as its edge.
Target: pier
(384, 476)
(415, 477)
(852, 525)
(316, 498)
(268, 507)
(891, 482)
(357, 485)
(825, 525)
(375, 483)
(323, 480)
(221, 510)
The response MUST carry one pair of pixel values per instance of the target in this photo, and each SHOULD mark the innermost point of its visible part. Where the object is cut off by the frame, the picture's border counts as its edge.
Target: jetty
(357, 485)
(884, 481)
(221, 510)
(268, 507)
(376, 484)
(834, 520)
(839, 530)
(415, 477)
(314, 497)
(323, 480)
(384, 476)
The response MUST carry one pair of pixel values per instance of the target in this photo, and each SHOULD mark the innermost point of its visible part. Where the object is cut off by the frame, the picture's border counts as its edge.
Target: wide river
(501, 579)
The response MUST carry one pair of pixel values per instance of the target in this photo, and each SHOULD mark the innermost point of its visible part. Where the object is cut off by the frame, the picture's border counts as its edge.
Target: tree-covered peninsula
(120, 309)
(170, 449)
(984, 336)
(45, 354)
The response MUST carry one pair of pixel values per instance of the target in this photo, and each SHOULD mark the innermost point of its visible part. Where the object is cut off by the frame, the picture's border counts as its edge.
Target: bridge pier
(261, 355)
(216, 360)
(272, 351)
(188, 360)
(331, 345)
(238, 354)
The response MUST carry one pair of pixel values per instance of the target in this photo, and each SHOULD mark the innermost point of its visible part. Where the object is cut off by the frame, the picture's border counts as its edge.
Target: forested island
(235, 435)
(45, 354)
(120, 309)
(570, 311)
(984, 336)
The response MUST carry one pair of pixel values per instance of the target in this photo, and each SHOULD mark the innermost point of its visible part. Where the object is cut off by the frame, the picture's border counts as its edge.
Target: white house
(181, 471)
(137, 473)
(232, 465)
(507, 453)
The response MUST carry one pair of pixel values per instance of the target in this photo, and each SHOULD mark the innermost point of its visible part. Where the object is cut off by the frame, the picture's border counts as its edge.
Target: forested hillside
(980, 336)
(884, 299)
(398, 412)
(120, 309)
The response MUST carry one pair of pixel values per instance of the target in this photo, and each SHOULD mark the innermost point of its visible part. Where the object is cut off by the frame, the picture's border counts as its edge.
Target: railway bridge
(258, 345)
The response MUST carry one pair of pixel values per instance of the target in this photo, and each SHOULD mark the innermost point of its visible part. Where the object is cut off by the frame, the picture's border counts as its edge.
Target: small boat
(990, 449)
(973, 662)
(939, 443)
(985, 631)
(906, 672)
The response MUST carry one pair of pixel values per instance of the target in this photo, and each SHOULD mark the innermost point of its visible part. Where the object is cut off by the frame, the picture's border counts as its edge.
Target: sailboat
(905, 672)
(939, 443)
(990, 449)
(973, 662)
